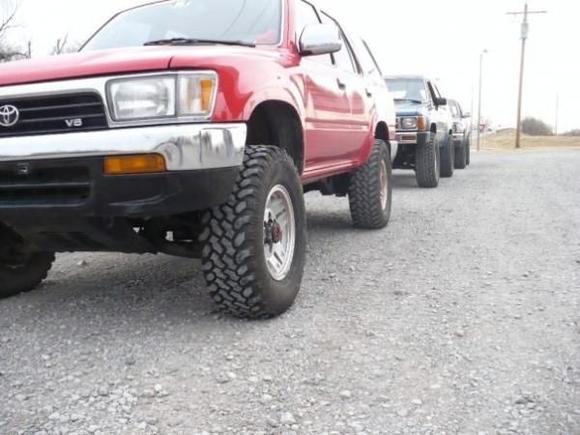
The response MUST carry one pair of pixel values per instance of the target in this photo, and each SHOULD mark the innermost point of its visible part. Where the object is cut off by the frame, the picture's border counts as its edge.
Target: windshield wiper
(411, 100)
(193, 41)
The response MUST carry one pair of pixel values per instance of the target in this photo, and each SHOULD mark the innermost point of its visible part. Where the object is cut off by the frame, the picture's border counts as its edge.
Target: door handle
(341, 84)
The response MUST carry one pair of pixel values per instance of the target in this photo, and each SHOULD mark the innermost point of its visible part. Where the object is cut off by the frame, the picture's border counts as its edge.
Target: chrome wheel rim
(279, 232)
(384, 185)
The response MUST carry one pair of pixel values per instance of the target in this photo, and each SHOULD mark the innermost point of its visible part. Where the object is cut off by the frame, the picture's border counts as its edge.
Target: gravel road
(463, 317)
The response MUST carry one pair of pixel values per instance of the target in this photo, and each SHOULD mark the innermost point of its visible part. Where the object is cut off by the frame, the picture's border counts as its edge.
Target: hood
(408, 108)
(122, 61)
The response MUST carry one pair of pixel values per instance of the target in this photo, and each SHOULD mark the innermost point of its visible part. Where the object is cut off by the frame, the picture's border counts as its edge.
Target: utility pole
(479, 99)
(557, 114)
(525, 33)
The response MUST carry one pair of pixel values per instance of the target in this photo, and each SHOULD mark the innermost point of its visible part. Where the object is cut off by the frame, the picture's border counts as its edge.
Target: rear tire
(427, 163)
(447, 159)
(461, 156)
(20, 273)
(255, 244)
(468, 152)
(371, 192)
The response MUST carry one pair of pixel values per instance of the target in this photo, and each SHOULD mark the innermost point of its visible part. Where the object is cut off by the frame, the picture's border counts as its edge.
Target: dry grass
(506, 140)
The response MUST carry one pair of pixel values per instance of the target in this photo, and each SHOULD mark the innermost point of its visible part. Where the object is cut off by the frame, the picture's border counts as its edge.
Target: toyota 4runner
(193, 128)
(424, 129)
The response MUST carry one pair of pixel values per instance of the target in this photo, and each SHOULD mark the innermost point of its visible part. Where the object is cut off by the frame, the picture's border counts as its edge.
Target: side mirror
(320, 39)
(441, 101)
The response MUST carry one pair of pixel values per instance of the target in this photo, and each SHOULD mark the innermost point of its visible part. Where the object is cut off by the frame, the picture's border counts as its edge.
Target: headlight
(409, 123)
(162, 97)
(142, 98)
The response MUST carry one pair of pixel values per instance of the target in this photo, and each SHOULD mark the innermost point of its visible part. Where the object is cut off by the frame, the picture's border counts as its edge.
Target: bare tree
(60, 45)
(63, 46)
(7, 23)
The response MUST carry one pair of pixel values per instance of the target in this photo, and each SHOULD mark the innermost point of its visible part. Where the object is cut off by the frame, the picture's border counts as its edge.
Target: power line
(525, 32)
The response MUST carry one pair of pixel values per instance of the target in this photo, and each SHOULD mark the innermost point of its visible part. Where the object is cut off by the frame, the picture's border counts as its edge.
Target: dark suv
(424, 129)
(461, 134)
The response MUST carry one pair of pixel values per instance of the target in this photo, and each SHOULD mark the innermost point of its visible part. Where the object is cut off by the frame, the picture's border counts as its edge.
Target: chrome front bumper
(407, 138)
(184, 146)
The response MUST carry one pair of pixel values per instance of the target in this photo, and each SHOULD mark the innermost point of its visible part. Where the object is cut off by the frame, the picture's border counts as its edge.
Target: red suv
(194, 129)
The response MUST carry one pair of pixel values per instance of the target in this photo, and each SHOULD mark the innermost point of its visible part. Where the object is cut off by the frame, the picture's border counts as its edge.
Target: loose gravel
(463, 317)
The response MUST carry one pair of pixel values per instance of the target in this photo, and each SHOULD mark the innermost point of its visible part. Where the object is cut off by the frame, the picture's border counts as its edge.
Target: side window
(366, 59)
(454, 109)
(343, 59)
(306, 15)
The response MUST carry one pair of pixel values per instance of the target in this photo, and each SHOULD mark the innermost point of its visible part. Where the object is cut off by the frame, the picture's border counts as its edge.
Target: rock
(226, 378)
(402, 413)
(148, 393)
(287, 418)
(266, 398)
(222, 379)
(417, 402)
(151, 421)
(345, 394)
(271, 422)
(82, 263)
(524, 400)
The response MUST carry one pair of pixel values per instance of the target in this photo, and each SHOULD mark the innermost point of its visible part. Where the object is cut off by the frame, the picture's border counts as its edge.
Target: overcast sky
(440, 38)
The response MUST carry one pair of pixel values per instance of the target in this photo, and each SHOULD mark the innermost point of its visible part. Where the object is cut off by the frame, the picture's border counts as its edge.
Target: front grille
(45, 186)
(56, 114)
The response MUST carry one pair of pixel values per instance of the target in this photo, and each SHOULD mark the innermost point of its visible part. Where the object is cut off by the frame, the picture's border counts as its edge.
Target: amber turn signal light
(135, 164)
(422, 123)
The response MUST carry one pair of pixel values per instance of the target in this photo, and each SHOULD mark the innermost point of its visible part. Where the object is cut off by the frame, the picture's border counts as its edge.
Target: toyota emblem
(9, 116)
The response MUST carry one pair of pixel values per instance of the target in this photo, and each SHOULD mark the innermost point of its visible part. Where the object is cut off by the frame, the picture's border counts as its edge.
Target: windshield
(250, 22)
(408, 90)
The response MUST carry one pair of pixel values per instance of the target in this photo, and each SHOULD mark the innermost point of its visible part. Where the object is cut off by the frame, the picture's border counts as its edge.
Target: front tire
(20, 272)
(427, 163)
(371, 191)
(468, 151)
(255, 244)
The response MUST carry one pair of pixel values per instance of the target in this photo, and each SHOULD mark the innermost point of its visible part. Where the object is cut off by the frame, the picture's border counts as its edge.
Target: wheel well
(382, 132)
(277, 123)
